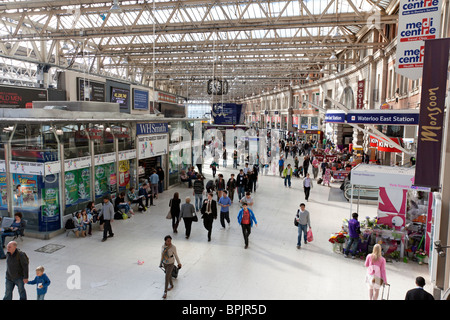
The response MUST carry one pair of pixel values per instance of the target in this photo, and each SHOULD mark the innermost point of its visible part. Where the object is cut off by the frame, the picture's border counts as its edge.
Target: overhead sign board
(385, 117)
(378, 117)
(335, 116)
(418, 20)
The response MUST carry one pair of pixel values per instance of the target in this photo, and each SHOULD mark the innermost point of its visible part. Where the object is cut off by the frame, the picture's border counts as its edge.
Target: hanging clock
(224, 86)
(214, 86)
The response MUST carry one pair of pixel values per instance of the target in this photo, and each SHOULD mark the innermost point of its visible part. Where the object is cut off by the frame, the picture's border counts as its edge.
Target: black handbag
(295, 220)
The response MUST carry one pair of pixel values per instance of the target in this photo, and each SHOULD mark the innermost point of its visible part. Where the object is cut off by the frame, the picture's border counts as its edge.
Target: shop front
(54, 162)
(152, 149)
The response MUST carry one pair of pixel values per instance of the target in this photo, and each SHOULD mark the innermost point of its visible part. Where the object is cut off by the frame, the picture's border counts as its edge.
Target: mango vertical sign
(431, 118)
(418, 20)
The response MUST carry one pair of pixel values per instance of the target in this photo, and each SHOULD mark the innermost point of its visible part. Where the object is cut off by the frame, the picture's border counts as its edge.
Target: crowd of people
(211, 199)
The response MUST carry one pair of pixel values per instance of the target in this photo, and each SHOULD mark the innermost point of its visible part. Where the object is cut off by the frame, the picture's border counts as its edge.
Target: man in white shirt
(307, 186)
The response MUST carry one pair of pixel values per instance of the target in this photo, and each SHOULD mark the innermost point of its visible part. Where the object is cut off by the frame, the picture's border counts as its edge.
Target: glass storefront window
(26, 143)
(74, 139)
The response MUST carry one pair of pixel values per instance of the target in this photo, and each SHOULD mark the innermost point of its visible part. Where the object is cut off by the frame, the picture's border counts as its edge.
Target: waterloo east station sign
(378, 117)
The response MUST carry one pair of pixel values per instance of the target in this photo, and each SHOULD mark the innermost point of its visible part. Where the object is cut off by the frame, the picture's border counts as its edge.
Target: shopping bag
(309, 236)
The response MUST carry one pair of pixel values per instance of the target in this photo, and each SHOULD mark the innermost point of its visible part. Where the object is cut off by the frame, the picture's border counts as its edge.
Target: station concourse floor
(272, 268)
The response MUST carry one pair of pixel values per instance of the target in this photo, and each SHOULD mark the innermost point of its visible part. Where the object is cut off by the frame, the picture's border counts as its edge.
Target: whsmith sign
(151, 128)
(418, 20)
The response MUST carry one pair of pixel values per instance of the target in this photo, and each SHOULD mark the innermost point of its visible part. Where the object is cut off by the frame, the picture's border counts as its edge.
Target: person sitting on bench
(135, 199)
(16, 227)
(120, 203)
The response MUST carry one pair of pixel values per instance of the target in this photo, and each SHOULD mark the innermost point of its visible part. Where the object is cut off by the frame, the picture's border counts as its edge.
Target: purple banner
(431, 119)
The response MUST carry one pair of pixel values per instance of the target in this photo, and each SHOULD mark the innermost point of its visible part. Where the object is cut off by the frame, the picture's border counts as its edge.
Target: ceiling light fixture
(115, 8)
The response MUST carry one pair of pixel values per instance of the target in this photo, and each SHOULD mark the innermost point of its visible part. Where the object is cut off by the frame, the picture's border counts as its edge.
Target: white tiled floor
(271, 268)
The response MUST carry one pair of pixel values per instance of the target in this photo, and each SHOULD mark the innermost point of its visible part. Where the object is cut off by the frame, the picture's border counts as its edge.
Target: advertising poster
(152, 145)
(84, 184)
(392, 207)
(50, 205)
(432, 111)
(105, 179)
(71, 185)
(13, 97)
(124, 175)
(418, 20)
(50, 213)
(120, 96)
(28, 195)
(3, 191)
(90, 90)
(140, 99)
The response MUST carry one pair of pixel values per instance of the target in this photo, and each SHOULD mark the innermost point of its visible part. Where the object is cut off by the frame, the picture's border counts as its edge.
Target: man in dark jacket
(16, 271)
(209, 213)
(419, 293)
(160, 173)
(143, 192)
(107, 213)
(241, 183)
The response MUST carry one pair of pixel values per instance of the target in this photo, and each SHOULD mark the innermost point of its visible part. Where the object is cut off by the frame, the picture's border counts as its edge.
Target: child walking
(42, 282)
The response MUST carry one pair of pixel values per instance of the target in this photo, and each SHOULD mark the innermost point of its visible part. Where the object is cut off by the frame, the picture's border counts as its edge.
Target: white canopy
(383, 176)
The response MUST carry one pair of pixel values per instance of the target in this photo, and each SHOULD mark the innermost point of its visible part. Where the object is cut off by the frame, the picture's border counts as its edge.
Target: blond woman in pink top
(376, 272)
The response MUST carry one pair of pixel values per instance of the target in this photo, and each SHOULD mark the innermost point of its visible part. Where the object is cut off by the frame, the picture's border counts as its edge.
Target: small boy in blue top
(42, 282)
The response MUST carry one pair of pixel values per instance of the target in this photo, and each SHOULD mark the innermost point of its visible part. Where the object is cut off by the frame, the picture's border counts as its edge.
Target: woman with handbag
(174, 211)
(187, 212)
(376, 272)
(168, 256)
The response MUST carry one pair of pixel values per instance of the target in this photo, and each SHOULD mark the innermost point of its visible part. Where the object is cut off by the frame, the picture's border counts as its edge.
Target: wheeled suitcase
(387, 291)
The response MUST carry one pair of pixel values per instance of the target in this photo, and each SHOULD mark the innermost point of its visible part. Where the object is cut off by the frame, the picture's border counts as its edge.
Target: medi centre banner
(418, 20)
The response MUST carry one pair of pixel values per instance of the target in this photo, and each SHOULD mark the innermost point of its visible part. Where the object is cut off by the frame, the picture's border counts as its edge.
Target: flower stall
(404, 213)
(337, 240)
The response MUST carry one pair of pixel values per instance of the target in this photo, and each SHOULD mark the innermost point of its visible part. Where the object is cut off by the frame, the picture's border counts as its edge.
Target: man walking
(209, 214)
(303, 223)
(224, 203)
(419, 293)
(16, 271)
(241, 182)
(231, 186)
(287, 174)
(246, 218)
(307, 186)
(154, 181)
(198, 192)
(108, 216)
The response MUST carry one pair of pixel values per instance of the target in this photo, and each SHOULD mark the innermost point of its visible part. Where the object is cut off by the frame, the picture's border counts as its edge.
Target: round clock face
(224, 87)
(214, 86)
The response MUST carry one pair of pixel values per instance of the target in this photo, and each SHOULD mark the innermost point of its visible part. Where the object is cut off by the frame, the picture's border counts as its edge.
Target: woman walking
(174, 205)
(168, 256)
(376, 272)
(188, 215)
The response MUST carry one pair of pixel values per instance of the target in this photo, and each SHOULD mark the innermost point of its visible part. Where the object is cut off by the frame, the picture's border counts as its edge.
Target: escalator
(359, 191)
